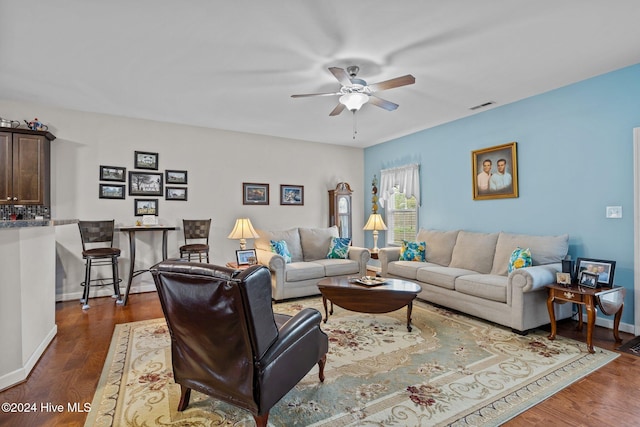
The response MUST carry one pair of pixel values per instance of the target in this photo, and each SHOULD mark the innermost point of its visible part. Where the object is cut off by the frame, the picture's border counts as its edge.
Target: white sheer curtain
(407, 178)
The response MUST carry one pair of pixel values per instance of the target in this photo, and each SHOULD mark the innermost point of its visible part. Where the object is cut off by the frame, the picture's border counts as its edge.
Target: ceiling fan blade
(390, 84)
(341, 75)
(315, 94)
(339, 108)
(382, 103)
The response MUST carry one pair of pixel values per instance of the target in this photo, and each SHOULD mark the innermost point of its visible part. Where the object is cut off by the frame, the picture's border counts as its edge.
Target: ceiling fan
(355, 92)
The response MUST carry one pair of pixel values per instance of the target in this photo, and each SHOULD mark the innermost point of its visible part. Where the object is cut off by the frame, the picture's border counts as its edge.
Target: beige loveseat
(467, 271)
(309, 263)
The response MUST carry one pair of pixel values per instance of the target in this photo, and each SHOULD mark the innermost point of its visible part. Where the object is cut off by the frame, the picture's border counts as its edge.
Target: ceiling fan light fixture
(354, 101)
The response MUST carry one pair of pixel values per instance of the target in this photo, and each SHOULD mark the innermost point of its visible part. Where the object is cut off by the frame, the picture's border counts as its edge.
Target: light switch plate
(614, 211)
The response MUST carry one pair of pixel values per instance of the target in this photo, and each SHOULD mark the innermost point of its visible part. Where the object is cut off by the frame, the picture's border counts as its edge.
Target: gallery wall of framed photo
(146, 180)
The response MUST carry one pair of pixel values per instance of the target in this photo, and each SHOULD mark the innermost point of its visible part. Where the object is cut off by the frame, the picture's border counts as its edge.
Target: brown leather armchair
(227, 342)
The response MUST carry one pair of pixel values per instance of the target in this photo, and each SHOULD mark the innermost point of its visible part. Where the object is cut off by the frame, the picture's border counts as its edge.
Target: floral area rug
(450, 370)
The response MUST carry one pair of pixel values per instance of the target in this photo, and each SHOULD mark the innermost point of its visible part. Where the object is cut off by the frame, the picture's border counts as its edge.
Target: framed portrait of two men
(495, 172)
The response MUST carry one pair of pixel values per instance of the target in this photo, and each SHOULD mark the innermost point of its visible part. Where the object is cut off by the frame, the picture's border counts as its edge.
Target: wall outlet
(614, 211)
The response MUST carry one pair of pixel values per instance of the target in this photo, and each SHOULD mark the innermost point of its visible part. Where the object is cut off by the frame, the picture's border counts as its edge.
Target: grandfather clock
(340, 209)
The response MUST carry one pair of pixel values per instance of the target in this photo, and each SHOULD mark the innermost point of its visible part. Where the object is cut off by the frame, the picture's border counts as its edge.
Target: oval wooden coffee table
(390, 296)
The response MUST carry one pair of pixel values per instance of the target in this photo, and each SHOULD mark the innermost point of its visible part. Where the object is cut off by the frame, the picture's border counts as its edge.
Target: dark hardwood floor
(69, 370)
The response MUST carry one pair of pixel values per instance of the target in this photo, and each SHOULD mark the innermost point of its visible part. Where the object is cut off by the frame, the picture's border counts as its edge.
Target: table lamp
(375, 223)
(243, 230)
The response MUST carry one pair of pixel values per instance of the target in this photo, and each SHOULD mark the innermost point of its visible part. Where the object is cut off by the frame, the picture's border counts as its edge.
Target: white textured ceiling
(234, 64)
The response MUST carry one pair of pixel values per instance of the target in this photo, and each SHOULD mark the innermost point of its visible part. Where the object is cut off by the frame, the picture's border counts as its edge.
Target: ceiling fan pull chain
(355, 125)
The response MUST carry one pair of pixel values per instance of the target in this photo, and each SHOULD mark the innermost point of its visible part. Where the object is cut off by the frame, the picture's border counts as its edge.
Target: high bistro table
(132, 250)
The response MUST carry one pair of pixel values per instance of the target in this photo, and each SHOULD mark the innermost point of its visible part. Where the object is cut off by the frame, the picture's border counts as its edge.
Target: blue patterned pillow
(520, 258)
(412, 251)
(280, 247)
(339, 248)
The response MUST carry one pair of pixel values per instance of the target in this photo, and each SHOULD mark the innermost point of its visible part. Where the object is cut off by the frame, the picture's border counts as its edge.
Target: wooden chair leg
(321, 364)
(185, 395)
(261, 420)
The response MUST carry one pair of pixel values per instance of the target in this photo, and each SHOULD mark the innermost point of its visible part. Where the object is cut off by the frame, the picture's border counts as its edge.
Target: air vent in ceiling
(486, 104)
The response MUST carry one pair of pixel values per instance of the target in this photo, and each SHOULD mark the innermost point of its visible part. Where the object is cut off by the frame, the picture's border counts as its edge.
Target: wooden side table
(233, 264)
(609, 300)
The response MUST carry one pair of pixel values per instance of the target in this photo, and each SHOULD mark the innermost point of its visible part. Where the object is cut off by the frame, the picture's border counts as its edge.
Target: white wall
(217, 161)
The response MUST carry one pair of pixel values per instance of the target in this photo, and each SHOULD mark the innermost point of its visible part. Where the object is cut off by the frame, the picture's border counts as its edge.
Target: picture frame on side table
(292, 195)
(176, 193)
(113, 173)
(589, 280)
(145, 160)
(603, 268)
(175, 177)
(255, 194)
(495, 172)
(145, 184)
(111, 191)
(563, 278)
(145, 207)
(246, 257)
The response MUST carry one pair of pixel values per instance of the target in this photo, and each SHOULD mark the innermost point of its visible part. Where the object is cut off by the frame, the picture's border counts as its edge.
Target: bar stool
(196, 230)
(101, 233)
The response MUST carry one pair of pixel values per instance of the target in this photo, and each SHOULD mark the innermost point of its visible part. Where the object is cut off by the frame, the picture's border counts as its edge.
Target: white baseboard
(12, 378)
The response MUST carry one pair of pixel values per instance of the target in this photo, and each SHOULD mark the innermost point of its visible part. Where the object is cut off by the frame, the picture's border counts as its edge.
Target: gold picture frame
(495, 172)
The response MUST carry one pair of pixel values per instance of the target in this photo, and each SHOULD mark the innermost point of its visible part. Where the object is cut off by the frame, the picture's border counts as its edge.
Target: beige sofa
(467, 271)
(308, 248)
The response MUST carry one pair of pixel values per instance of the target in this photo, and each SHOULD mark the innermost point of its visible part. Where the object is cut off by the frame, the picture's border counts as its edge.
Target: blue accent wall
(575, 157)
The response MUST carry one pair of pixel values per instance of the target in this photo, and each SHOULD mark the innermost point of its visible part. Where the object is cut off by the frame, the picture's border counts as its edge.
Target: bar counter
(27, 294)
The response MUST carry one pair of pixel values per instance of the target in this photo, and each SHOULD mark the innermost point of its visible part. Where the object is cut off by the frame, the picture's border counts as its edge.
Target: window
(400, 192)
(402, 218)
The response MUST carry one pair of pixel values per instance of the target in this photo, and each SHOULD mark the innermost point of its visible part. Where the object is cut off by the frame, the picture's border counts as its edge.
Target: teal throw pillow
(280, 247)
(520, 258)
(339, 248)
(412, 251)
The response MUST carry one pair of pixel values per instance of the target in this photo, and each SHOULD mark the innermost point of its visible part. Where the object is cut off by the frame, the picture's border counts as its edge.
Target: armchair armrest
(386, 255)
(301, 331)
(362, 256)
(533, 278)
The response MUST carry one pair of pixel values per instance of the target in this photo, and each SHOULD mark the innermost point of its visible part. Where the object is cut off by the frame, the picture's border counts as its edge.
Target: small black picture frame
(246, 257)
(113, 173)
(145, 207)
(589, 280)
(145, 160)
(176, 193)
(145, 184)
(111, 191)
(175, 177)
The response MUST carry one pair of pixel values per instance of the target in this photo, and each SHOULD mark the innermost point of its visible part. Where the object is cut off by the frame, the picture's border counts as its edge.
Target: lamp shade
(375, 222)
(353, 101)
(243, 230)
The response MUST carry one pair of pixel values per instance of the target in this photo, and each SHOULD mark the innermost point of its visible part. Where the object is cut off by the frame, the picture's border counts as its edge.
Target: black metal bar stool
(196, 230)
(100, 233)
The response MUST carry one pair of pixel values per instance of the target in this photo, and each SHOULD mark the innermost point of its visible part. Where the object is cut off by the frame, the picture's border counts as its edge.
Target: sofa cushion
(488, 286)
(544, 249)
(297, 271)
(315, 242)
(441, 276)
(280, 247)
(290, 236)
(339, 248)
(474, 251)
(412, 251)
(406, 269)
(520, 258)
(339, 267)
(439, 245)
